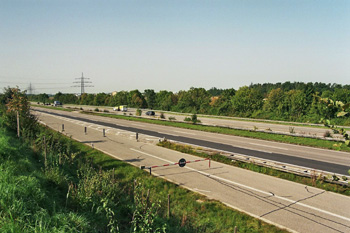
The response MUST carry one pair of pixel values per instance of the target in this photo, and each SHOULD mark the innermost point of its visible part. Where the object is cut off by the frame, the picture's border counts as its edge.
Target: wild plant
(145, 212)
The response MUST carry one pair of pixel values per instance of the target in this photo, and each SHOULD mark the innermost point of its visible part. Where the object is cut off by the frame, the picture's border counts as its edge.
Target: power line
(82, 83)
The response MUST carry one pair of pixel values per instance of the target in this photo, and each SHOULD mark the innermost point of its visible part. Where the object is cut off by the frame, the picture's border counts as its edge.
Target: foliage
(302, 102)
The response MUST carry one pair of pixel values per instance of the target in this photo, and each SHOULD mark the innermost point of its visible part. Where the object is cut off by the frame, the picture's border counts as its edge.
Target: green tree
(100, 99)
(246, 101)
(275, 102)
(165, 100)
(18, 108)
(136, 99)
(150, 97)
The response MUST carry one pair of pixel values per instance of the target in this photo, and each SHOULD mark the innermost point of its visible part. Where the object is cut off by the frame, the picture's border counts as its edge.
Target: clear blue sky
(172, 45)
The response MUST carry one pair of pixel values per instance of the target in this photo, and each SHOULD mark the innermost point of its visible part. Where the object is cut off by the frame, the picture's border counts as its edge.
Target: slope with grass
(54, 184)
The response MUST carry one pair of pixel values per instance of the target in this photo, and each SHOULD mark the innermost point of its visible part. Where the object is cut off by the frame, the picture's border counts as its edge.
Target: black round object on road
(182, 162)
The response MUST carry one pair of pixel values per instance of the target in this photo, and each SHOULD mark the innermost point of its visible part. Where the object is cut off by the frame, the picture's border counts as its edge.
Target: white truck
(123, 108)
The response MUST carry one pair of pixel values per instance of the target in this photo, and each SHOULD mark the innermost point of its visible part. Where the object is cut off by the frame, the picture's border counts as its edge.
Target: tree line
(292, 101)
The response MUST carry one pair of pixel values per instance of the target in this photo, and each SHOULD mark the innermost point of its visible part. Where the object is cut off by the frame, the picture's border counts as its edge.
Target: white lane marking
(256, 144)
(251, 188)
(201, 190)
(184, 132)
(168, 134)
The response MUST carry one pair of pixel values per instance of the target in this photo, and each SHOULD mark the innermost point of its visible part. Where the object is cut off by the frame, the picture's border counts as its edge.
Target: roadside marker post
(182, 162)
(62, 127)
(137, 136)
(85, 130)
(104, 133)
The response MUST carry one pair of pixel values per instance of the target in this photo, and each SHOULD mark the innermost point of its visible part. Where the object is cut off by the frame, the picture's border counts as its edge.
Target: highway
(314, 158)
(266, 125)
(286, 204)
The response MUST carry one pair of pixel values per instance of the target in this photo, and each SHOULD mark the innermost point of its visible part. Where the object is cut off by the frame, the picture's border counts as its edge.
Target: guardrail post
(150, 171)
(209, 162)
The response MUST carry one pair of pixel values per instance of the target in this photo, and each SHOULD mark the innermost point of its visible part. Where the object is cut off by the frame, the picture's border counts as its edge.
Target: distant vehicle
(150, 113)
(123, 108)
(57, 103)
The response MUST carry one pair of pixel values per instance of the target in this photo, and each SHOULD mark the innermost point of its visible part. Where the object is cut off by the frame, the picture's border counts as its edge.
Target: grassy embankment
(242, 133)
(318, 182)
(79, 189)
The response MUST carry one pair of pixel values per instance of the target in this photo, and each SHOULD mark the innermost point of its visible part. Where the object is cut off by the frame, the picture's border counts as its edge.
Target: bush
(187, 119)
(172, 118)
(96, 110)
(327, 134)
(138, 112)
(162, 116)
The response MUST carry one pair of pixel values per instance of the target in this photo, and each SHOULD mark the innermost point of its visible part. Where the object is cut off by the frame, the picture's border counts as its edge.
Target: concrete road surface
(314, 158)
(286, 204)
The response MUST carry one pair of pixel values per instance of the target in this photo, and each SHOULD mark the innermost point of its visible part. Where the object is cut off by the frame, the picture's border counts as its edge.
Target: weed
(291, 130)
(327, 134)
(138, 112)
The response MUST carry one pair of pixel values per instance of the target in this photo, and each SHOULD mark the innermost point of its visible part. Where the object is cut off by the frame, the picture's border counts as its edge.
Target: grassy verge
(316, 182)
(242, 133)
(52, 107)
(276, 122)
(75, 188)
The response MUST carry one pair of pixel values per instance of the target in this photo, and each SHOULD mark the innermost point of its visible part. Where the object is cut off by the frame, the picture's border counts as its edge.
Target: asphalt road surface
(304, 129)
(326, 160)
(286, 204)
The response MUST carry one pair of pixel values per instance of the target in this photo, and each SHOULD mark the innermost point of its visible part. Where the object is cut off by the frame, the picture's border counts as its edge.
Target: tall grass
(79, 189)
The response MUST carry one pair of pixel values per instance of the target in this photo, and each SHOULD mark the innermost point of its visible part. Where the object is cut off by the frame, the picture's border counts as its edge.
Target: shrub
(96, 110)
(187, 119)
(172, 118)
(327, 134)
(162, 116)
(291, 130)
(138, 112)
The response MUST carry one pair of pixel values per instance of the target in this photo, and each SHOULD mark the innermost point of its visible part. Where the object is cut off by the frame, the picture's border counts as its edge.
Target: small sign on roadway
(182, 162)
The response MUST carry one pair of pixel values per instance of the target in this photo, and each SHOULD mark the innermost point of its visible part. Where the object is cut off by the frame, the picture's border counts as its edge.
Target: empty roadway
(314, 158)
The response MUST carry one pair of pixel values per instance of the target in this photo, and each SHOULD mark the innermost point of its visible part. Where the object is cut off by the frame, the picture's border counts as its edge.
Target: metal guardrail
(314, 174)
